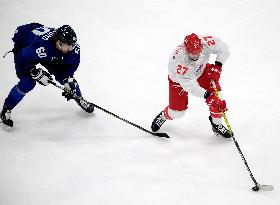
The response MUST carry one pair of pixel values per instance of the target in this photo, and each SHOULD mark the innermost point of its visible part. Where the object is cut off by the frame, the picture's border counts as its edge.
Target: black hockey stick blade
(161, 135)
(263, 187)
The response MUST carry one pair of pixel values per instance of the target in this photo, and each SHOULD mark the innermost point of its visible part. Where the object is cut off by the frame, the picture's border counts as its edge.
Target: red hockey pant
(178, 98)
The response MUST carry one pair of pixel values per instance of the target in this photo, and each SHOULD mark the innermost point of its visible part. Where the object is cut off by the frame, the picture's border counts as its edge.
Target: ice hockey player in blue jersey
(54, 49)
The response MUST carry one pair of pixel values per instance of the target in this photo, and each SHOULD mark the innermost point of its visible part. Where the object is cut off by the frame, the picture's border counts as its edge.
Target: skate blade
(6, 127)
(220, 136)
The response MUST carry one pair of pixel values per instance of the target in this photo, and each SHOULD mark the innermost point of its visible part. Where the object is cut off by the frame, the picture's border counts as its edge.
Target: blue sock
(14, 97)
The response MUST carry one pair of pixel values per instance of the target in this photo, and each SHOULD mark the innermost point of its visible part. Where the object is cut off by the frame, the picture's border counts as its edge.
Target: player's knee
(173, 114)
(26, 84)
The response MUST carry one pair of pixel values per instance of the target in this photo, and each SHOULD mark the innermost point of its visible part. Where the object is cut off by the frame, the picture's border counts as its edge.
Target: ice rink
(59, 155)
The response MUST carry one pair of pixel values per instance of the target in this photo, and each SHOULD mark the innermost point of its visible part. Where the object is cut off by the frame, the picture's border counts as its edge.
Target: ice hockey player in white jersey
(190, 72)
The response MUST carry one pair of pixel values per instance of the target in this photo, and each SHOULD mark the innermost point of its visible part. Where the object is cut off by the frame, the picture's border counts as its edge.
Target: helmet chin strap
(193, 59)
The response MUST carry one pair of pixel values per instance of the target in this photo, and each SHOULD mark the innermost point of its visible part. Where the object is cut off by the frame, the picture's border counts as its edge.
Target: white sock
(217, 121)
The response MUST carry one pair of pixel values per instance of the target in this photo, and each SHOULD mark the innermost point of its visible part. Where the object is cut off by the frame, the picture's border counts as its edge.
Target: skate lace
(8, 115)
(83, 102)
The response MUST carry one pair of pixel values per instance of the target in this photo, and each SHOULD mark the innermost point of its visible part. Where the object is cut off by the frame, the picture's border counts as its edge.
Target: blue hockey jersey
(34, 44)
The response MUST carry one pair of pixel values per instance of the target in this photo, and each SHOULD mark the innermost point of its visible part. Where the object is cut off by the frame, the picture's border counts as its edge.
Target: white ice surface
(59, 155)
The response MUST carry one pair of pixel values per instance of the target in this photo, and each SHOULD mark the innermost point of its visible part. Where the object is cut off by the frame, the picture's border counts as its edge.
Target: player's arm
(69, 66)
(28, 58)
(218, 47)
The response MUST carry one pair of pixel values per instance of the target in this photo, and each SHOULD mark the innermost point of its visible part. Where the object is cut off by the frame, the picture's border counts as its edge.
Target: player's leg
(178, 103)
(16, 94)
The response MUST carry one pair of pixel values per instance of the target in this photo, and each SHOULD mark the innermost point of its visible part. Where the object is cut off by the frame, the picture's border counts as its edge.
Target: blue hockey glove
(70, 88)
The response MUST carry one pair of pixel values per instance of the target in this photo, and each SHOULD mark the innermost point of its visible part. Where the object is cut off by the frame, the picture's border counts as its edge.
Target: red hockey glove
(213, 72)
(216, 106)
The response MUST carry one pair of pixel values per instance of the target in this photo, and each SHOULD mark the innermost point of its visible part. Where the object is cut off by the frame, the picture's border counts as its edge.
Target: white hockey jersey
(185, 71)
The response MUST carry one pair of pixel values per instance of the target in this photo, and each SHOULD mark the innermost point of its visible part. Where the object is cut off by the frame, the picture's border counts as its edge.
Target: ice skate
(220, 130)
(7, 122)
(85, 105)
(158, 122)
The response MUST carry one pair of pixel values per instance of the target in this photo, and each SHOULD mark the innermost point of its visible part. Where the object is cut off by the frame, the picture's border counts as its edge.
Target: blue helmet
(66, 35)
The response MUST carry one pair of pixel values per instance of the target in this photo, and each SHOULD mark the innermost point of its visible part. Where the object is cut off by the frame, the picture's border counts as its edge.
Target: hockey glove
(41, 76)
(216, 106)
(70, 85)
(213, 72)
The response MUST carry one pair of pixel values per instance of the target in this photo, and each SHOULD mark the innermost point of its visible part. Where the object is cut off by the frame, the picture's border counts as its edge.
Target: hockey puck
(256, 188)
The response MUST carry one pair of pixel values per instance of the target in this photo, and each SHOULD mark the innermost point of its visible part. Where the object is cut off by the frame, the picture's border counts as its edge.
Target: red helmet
(193, 44)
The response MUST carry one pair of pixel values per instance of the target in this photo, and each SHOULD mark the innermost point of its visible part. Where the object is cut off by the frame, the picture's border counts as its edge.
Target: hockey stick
(257, 186)
(114, 115)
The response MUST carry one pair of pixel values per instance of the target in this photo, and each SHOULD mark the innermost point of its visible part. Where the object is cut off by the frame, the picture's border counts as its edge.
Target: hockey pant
(178, 99)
